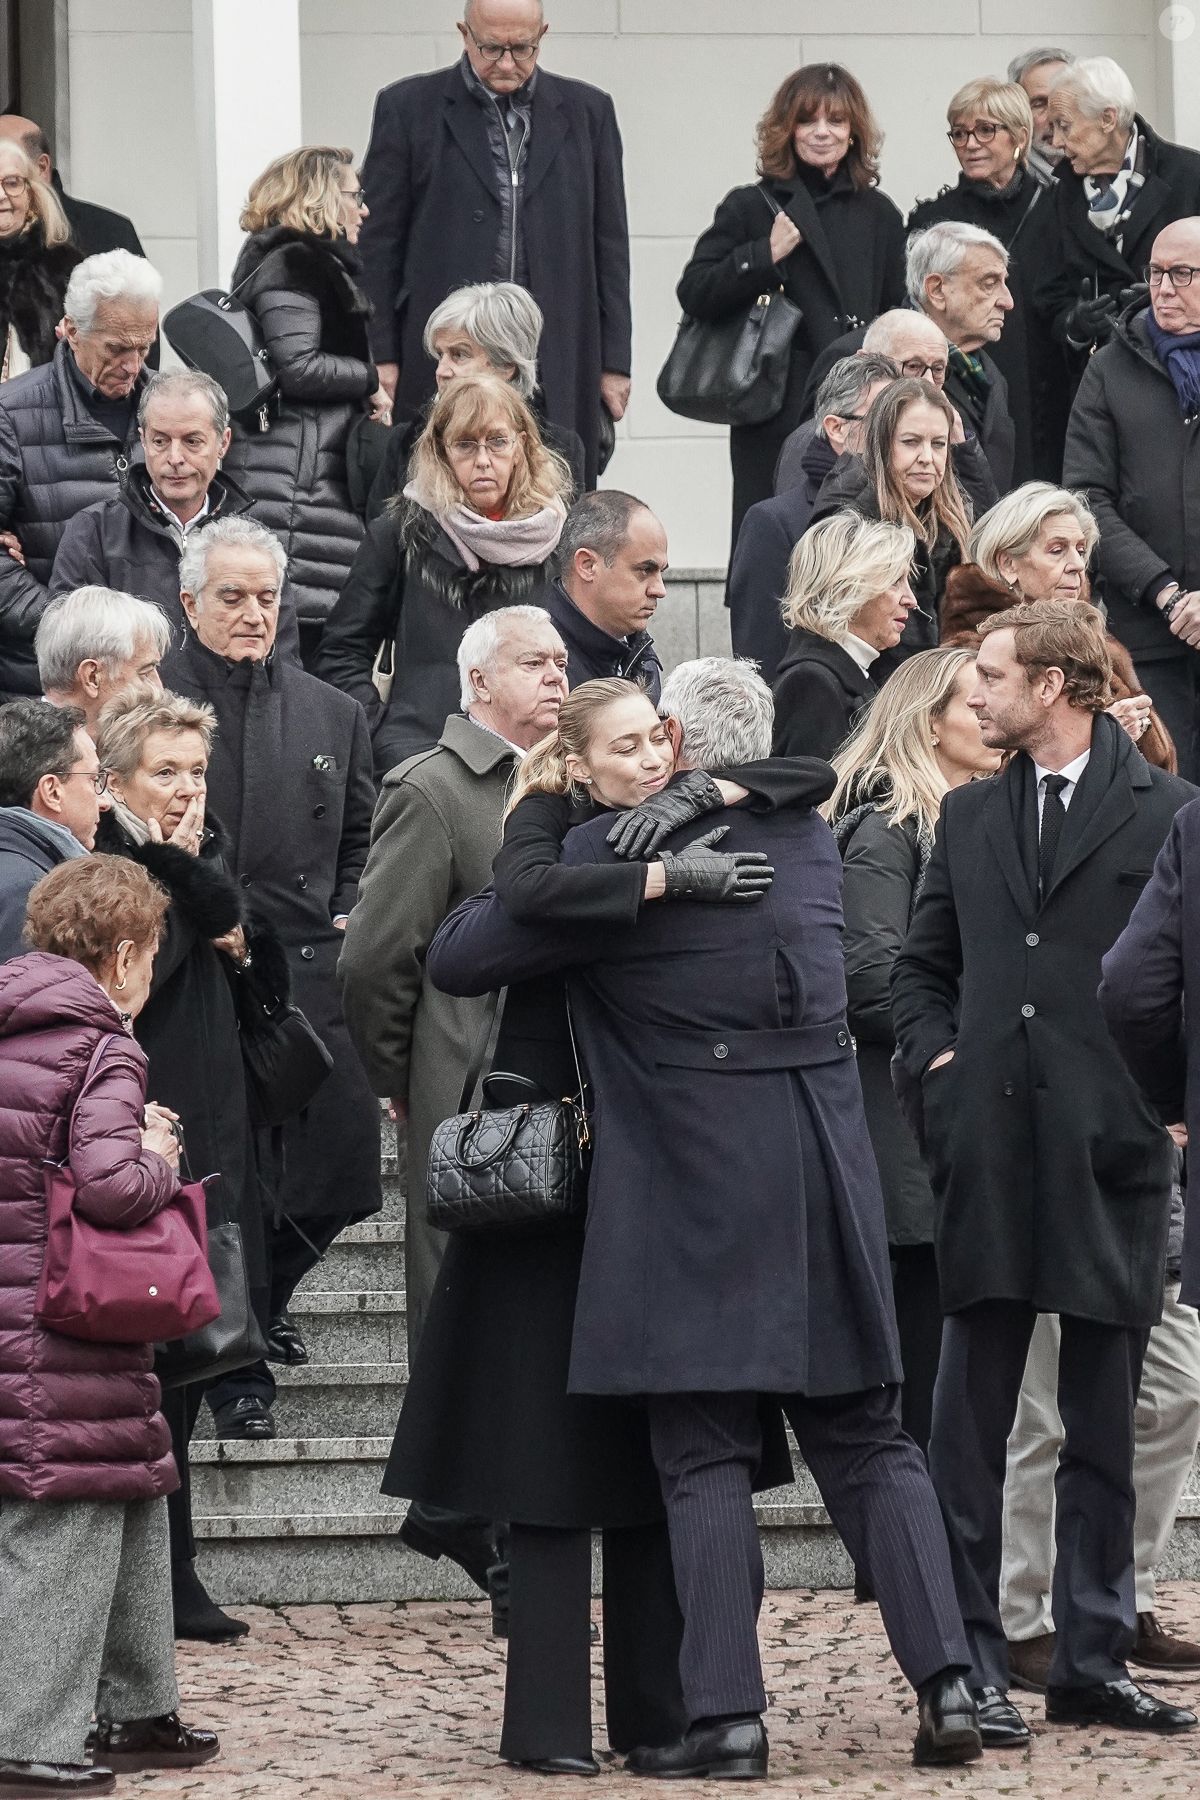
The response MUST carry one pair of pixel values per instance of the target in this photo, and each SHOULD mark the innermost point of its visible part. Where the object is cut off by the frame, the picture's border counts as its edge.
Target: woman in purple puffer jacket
(85, 1455)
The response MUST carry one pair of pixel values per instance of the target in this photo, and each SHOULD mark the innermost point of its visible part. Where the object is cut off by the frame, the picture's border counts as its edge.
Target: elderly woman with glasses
(36, 260)
(475, 528)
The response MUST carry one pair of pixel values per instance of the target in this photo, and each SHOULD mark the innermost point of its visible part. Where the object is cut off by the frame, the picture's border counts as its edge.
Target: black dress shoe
(736, 1751)
(31, 1780)
(433, 1531)
(197, 1615)
(1001, 1726)
(1120, 1703)
(128, 1745)
(247, 1417)
(949, 1728)
(561, 1765)
(284, 1343)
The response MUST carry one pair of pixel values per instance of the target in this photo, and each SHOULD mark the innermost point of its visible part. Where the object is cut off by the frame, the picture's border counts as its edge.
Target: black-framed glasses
(14, 184)
(918, 368)
(356, 196)
(983, 131)
(1182, 274)
(520, 53)
(850, 418)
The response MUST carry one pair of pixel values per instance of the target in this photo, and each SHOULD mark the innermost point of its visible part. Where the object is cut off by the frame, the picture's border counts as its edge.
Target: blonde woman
(475, 528)
(299, 273)
(36, 260)
(919, 740)
(848, 600)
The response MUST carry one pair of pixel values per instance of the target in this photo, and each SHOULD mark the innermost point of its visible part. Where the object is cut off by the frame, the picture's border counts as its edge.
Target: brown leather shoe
(1029, 1662)
(1155, 1648)
(128, 1745)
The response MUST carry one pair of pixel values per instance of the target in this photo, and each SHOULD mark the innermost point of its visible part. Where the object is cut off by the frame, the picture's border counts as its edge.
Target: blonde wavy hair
(44, 204)
(947, 507)
(543, 770)
(1011, 526)
(471, 407)
(131, 716)
(889, 756)
(838, 566)
(300, 189)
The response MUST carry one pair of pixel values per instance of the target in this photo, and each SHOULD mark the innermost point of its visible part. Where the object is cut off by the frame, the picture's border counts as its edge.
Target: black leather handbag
(284, 1058)
(214, 332)
(234, 1339)
(510, 1168)
(733, 371)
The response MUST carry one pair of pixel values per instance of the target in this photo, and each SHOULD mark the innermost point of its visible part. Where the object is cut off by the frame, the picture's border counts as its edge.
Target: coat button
(318, 812)
(720, 1051)
(302, 881)
(1032, 939)
(245, 880)
(843, 1039)
(478, 217)
(1009, 1090)
(307, 952)
(1028, 1011)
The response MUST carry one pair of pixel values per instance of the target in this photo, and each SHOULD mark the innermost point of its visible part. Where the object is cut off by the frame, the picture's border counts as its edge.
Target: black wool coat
(290, 777)
(304, 291)
(410, 588)
(96, 228)
(435, 225)
(819, 692)
(33, 284)
(758, 569)
(848, 268)
(1149, 998)
(1052, 1174)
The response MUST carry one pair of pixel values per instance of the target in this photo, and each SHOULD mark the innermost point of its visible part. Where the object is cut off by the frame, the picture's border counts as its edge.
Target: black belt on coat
(796, 1047)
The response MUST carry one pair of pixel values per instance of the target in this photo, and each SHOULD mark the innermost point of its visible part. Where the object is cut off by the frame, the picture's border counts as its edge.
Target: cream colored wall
(689, 77)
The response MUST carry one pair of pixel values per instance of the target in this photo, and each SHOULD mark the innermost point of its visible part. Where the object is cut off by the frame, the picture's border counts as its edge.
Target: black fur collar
(200, 886)
(431, 559)
(317, 264)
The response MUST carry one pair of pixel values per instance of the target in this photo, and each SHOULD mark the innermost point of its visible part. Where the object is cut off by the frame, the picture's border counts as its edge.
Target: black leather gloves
(1090, 321)
(699, 872)
(640, 831)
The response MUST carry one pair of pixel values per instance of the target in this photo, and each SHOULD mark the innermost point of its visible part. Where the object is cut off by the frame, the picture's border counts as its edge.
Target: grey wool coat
(436, 829)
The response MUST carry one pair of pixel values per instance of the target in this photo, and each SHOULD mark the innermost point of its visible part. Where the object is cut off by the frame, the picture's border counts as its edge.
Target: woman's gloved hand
(700, 872)
(640, 831)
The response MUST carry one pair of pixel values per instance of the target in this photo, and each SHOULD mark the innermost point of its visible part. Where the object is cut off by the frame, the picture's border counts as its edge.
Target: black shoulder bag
(512, 1168)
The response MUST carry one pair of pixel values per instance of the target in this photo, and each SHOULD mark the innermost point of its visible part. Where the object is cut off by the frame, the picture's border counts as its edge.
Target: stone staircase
(301, 1518)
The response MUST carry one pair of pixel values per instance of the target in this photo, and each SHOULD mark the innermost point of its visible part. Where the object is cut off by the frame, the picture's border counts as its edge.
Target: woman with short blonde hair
(1008, 531)
(36, 260)
(301, 190)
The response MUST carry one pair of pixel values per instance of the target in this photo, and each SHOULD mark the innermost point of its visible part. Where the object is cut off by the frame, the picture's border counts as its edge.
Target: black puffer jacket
(304, 291)
(55, 459)
(33, 281)
(410, 587)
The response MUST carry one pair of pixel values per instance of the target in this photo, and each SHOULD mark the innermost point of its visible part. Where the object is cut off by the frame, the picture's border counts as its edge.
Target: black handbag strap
(485, 1046)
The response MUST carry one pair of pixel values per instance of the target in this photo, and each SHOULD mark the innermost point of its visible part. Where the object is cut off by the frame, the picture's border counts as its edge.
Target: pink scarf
(506, 543)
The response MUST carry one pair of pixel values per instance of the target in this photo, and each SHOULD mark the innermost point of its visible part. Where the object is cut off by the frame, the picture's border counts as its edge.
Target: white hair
(1097, 82)
(95, 624)
(939, 250)
(502, 318)
(883, 332)
(113, 275)
(1029, 60)
(725, 708)
(480, 643)
(238, 534)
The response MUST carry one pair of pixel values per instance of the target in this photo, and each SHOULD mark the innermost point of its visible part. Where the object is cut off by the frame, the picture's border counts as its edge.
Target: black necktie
(1054, 815)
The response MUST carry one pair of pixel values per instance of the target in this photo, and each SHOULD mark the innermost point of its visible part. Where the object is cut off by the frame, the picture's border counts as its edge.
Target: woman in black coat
(475, 528)
(814, 224)
(298, 273)
(36, 260)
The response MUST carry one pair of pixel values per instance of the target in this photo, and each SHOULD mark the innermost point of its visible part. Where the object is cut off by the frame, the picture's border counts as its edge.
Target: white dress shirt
(1071, 773)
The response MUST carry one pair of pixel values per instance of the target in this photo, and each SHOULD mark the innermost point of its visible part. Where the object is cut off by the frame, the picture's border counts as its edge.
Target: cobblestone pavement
(368, 1702)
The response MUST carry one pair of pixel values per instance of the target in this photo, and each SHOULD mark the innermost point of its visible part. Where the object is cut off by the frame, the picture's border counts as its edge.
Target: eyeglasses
(14, 184)
(917, 368)
(1181, 274)
(356, 196)
(850, 418)
(983, 131)
(499, 444)
(99, 780)
(520, 53)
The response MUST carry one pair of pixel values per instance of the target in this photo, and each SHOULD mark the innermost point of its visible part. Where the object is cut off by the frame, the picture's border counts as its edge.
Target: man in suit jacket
(495, 169)
(1052, 1176)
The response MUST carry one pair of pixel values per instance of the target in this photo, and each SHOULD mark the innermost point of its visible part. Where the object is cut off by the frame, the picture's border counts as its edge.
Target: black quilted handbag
(511, 1168)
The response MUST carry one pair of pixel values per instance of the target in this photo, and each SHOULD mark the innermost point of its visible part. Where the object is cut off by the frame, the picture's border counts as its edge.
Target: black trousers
(181, 1408)
(874, 1482)
(547, 1692)
(1173, 683)
(919, 1325)
(984, 1350)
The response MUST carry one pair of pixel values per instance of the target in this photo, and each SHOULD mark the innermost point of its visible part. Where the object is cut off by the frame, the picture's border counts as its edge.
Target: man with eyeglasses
(52, 792)
(1133, 446)
(497, 170)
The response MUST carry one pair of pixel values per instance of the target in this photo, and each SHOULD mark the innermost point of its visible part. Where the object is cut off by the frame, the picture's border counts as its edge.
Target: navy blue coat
(735, 1236)
(1150, 997)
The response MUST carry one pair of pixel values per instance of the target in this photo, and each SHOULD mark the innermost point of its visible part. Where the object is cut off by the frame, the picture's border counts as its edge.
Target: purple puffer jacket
(77, 1421)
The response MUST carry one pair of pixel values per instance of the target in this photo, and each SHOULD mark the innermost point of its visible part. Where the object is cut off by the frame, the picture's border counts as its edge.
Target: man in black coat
(49, 803)
(1052, 1176)
(1132, 446)
(290, 780)
(613, 556)
(496, 169)
(735, 1239)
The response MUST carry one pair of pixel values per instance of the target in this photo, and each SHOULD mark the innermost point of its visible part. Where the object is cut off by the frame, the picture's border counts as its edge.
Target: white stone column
(246, 58)
(1177, 29)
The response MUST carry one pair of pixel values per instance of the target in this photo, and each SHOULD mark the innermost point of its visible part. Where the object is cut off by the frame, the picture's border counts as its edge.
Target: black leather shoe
(248, 1417)
(1001, 1726)
(197, 1615)
(432, 1531)
(1120, 1703)
(949, 1728)
(128, 1745)
(728, 1752)
(31, 1780)
(561, 1765)
(284, 1343)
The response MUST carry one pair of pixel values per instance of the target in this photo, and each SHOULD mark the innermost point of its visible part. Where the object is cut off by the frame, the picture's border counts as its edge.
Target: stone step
(327, 1400)
(352, 1327)
(281, 1476)
(363, 1257)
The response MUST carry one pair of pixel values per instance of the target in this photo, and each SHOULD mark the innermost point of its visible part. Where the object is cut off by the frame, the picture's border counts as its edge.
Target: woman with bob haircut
(814, 224)
(848, 600)
(36, 259)
(1035, 544)
(85, 1453)
(475, 528)
(299, 273)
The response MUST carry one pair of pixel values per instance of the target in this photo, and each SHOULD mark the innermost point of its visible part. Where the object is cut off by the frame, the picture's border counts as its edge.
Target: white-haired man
(66, 430)
(1036, 71)
(93, 643)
